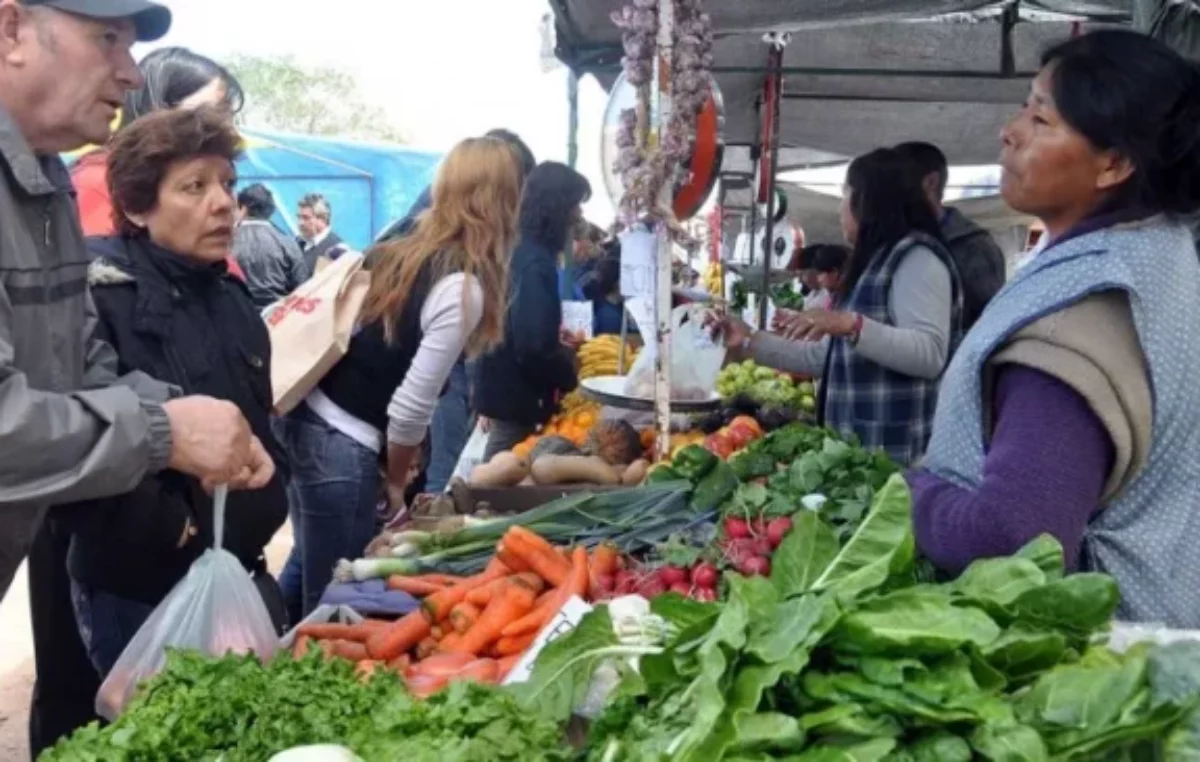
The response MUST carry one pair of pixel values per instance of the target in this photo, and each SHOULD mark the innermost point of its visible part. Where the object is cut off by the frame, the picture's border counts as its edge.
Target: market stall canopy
(863, 73)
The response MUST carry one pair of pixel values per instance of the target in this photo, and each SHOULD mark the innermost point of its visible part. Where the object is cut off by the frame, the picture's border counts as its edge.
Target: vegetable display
(235, 709)
(765, 386)
(839, 654)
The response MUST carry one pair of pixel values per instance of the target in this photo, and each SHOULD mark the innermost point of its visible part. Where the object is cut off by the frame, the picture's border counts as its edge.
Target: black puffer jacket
(193, 326)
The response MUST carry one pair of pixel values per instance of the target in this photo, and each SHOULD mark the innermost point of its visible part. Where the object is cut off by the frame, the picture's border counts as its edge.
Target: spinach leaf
(804, 555)
(850, 719)
(999, 580)
(907, 624)
(868, 751)
(1079, 604)
(940, 747)
(1022, 650)
(1009, 743)
(768, 730)
(883, 544)
(1047, 553)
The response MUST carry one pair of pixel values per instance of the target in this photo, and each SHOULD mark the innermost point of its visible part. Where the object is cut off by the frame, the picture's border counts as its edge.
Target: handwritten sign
(293, 303)
(639, 248)
(577, 317)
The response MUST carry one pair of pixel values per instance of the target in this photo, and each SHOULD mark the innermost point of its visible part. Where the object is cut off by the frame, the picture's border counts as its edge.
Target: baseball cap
(151, 20)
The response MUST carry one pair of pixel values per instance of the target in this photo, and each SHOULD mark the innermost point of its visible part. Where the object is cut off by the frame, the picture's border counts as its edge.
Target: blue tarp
(368, 184)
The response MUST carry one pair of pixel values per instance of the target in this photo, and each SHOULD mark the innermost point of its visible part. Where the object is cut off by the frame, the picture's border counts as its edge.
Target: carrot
(530, 580)
(375, 624)
(365, 668)
(449, 644)
(538, 554)
(510, 559)
(413, 586)
(445, 580)
(300, 647)
(505, 665)
(604, 559)
(437, 632)
(331, 631)
(515, 602)
(400, 663)
(346, 649)
(576, 584)
(480, 596)
(485, 671)
(463, 616)
(426, 648)
(405, 633)
(514, 646)
(437, 606)
(441, 665)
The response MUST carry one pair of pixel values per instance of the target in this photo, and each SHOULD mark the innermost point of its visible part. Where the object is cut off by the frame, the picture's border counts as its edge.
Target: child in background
(829, 263)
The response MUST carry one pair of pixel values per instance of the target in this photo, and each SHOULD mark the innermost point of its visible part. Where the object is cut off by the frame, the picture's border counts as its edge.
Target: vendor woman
(1072, 407)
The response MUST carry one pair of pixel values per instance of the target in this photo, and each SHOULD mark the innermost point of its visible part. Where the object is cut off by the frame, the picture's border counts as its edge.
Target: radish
(651, 587)
(736, 528)
(777, 529)
(755, 567)
(705, 575)
(762, 546)
(682, 588)
(672, 575)
(758, 527)
(625, 582)
(705, 594)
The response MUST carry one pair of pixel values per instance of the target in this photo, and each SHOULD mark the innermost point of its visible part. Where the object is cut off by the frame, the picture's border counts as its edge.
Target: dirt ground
(16, 656)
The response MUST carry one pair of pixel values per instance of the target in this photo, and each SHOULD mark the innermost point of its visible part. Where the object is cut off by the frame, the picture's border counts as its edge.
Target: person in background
(829, 263)
(167, 305)
(314, 216)
(517, 385)
(455, 417)
(1072, 408)
(72, 429)
(172, 78)
(599, 282)
(272, 261)
(979, 260)
(881, 352)
(434, 294)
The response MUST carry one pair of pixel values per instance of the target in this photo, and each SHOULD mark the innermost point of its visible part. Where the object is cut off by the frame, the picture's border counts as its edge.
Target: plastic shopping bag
(471, 455)
(215, 609)
(696, 358)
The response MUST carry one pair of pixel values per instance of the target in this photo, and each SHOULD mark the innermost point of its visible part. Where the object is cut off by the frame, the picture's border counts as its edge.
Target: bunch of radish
(747, 545)
(698, 581)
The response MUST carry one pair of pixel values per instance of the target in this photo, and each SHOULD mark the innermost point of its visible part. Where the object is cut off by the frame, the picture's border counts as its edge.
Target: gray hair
(319, 206)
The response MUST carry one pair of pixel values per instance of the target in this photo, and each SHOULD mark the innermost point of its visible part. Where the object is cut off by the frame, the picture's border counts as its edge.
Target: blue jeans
(332, 494)
(106, 624)
(450, 429)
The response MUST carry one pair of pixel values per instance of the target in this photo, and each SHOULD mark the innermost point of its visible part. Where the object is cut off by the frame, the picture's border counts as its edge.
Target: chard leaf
(999, 580)
(908, 624)
(768, 730)
(868, 751)
(1047, 553)
(850, 719)
(1008, 743)
(803, 555)
(1023, 650)
(883, 544)
(564, 668)
(1079, 604)
(940, 747)
(782, 629)
(1090, 694)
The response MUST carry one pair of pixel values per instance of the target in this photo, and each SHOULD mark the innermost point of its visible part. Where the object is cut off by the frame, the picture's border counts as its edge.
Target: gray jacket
(69, 428)
(272, 261)
(979, 261)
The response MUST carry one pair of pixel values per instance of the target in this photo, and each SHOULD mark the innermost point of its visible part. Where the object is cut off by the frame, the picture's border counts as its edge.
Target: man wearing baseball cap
(71, 429)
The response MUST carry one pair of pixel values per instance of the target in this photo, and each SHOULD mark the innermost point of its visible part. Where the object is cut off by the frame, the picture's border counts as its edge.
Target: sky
(442, 69)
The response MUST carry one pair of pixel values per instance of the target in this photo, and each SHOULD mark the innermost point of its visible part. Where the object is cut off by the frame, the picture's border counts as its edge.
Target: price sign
(639, 248)
(577, 317)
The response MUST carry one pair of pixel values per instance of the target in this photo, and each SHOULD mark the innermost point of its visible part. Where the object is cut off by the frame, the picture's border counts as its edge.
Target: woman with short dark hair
(881, 352)
(168, 306)
(518, 384)
(1072, 408)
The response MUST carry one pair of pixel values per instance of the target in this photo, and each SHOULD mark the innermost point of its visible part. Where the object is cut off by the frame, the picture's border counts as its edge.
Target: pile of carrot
(477, 627)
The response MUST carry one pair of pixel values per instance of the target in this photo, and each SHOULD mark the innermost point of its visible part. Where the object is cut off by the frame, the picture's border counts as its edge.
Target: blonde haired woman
(434, 294)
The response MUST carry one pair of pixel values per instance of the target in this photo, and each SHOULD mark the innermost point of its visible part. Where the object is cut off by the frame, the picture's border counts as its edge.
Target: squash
(552, 445)
(616, 442)
(574, 469)
(635, 473)
(505, 469)
(525, 447)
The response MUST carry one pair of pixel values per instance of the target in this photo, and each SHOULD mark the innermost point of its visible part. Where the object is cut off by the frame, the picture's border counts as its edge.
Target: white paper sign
(577, 317)
(638, 251)
(566, 620)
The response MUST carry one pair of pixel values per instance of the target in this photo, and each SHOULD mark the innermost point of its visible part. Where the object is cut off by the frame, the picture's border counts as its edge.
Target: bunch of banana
(712, 280)
(573, 401)
(599, 356)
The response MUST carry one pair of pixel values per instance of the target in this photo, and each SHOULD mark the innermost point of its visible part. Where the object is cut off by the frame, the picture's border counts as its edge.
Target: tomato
(672, 575)
(749, 422)
(777, 529)
(738, 436)
(705, 575)
(736, 529)
(719, 445)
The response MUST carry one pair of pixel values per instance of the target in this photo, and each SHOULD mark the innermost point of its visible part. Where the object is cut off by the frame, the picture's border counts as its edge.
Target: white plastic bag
(472, 454)
(696, 358)
(215, 609)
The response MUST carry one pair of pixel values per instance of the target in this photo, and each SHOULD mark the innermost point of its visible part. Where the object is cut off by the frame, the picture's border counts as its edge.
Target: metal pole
(662, 281)
(565, 287)
(771, 105)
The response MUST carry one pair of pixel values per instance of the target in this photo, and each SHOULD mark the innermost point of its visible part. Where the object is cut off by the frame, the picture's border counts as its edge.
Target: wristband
(858, 328)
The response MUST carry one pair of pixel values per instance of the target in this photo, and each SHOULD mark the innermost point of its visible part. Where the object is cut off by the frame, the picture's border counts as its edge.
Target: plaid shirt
(885, 409)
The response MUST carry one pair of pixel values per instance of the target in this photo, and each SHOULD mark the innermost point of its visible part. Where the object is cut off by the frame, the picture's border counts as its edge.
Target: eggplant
(710, 423)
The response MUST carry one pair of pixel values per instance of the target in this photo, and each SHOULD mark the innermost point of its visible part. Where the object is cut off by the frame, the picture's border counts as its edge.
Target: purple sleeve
(1044, 473)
